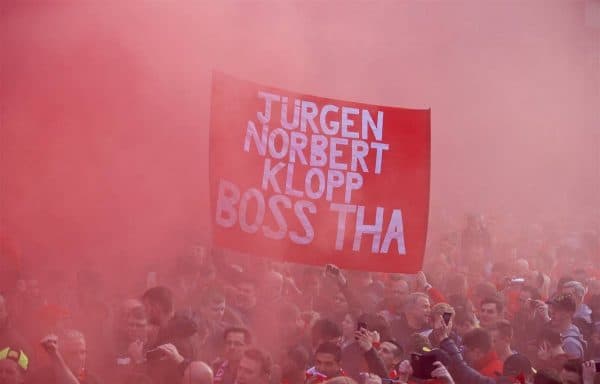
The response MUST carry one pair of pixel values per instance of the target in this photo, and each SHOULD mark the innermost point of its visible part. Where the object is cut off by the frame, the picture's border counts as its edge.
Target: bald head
(197, 373)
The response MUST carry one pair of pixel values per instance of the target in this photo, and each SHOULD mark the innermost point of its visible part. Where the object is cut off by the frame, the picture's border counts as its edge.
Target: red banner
(314, 180)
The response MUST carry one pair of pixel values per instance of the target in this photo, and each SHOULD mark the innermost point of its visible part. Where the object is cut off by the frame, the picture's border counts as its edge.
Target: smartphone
(332, 270)
(422, 365)
(597, 366)
(154, 354)
(447, 316)
(517, 280)
(361, 325)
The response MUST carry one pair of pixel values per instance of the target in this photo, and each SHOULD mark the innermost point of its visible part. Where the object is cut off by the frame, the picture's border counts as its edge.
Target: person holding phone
(442, 312)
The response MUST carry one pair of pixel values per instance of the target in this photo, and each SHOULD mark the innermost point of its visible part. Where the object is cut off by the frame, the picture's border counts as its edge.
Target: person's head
(10, 372)
(325, 330)
(544, 376)
(328, 357)
(549, 343)
(482, 291)
(490, 311)
(212, 304)
(418, 308)
(437, 314)
(396, 292)
(349, 325)
(254, 368)
(136, 325)
(575, 289)
(572, 372)
(245, 297)
(561, 310)
(526, 294)
(159, 305)
(295, 362)
(517, 365)
(236, 340)
(464, 322)
(502, 334)
(197, 372)
(340, 303)
(390, 353)
(477, 344)
(73, 348)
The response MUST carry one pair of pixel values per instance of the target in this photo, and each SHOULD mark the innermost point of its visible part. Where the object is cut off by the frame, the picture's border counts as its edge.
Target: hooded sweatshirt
(573, 342)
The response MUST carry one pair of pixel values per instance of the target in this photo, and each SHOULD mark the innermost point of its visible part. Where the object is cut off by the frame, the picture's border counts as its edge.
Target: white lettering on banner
(269, 99)
(395, 228)
(260, 211)
(232, 210)
(342, 210)
(326, 150)
(273, 205)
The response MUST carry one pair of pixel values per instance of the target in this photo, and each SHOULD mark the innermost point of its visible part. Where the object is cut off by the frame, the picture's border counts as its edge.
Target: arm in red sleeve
(436, 296)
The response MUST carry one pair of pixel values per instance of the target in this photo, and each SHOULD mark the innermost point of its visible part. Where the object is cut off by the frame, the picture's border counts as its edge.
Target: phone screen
(447, 316)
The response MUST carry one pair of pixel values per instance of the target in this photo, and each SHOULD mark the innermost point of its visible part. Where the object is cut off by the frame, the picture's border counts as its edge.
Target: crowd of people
(483, 311)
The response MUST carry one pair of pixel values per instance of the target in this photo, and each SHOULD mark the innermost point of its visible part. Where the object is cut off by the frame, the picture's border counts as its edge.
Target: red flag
(315, 180)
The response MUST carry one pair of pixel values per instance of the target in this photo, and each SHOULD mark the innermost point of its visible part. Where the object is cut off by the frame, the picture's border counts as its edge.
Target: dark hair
(325, 329)
(262, 357)
(478, 338)
(332, 349)
(551, 336)
(517, 364)
(563, 280)
(546, 377)
(504, 328)
(493, 300)
(160, 295)
(245, 331)
(399, 352)
(564, 303)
